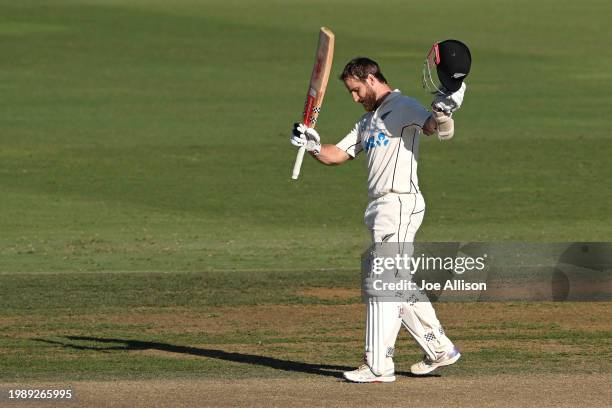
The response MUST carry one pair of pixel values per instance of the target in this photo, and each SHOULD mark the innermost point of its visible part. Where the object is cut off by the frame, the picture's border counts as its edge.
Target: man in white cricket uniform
(388, 133)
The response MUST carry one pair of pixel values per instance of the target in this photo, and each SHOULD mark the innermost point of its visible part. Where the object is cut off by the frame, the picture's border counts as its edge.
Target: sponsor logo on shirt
(372, 142)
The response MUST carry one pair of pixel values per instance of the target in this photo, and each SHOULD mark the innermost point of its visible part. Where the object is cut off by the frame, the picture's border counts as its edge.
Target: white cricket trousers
(396, 218)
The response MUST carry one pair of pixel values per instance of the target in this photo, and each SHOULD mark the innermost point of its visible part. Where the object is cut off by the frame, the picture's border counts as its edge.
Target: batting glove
(449, 103)
(302, 135)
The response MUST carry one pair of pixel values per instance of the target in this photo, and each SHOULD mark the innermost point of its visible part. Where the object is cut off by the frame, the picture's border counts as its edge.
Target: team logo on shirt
(372, 142)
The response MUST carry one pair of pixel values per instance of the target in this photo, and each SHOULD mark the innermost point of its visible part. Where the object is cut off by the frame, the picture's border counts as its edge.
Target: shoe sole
(448, 362)
(385, 379)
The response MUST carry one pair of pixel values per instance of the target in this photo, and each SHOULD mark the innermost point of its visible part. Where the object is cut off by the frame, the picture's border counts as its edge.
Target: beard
(369, 102)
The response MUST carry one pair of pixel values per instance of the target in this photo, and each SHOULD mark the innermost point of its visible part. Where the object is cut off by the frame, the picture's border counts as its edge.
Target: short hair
(360, 68)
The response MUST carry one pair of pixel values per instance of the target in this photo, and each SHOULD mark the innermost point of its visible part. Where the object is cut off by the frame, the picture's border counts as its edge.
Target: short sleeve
(416, 113)
(351, 143)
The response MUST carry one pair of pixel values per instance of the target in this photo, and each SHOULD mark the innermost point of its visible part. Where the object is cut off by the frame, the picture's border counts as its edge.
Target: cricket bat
(316, 89)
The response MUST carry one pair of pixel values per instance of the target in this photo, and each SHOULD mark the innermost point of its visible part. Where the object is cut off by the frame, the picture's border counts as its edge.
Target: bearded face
(362, 92)
(369, 102)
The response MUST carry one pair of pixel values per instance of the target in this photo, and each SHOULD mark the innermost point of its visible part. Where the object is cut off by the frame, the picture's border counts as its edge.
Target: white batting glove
(449, 103)
(302, 135)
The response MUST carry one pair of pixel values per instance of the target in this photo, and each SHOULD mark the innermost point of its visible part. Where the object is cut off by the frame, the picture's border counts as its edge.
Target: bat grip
(308, 122)
(298, 163)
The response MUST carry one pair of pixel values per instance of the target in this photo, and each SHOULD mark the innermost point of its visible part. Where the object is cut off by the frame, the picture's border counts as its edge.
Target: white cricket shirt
(390, 138)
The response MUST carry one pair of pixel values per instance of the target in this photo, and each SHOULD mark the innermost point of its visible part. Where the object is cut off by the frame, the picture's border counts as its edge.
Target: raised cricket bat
(316, 89)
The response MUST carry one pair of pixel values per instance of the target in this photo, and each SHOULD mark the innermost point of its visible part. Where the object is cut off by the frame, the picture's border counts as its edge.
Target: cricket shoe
(427, 365)
(365, 375)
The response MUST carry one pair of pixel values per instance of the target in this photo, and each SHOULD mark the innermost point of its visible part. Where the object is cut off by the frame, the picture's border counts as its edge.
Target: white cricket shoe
(365, 375)
(427, 365)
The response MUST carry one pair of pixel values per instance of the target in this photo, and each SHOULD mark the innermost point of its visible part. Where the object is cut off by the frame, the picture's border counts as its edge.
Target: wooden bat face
(319, 77)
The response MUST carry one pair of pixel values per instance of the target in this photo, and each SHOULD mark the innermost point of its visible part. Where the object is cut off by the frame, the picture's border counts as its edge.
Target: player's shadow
(137, 345)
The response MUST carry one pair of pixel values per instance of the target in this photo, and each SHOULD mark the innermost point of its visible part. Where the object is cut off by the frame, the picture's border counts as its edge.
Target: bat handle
(298, 163)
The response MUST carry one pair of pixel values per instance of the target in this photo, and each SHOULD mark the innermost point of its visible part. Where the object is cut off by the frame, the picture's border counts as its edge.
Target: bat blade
(316, 88)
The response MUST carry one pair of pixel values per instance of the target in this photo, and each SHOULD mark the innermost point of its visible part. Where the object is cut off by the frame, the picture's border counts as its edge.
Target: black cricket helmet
(452, 61)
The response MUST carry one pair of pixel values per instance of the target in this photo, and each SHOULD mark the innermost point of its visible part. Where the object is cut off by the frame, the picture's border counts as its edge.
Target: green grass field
(145, 174)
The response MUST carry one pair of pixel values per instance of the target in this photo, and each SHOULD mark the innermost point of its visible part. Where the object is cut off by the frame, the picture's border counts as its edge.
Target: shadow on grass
(134, 345)
(276, 363)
